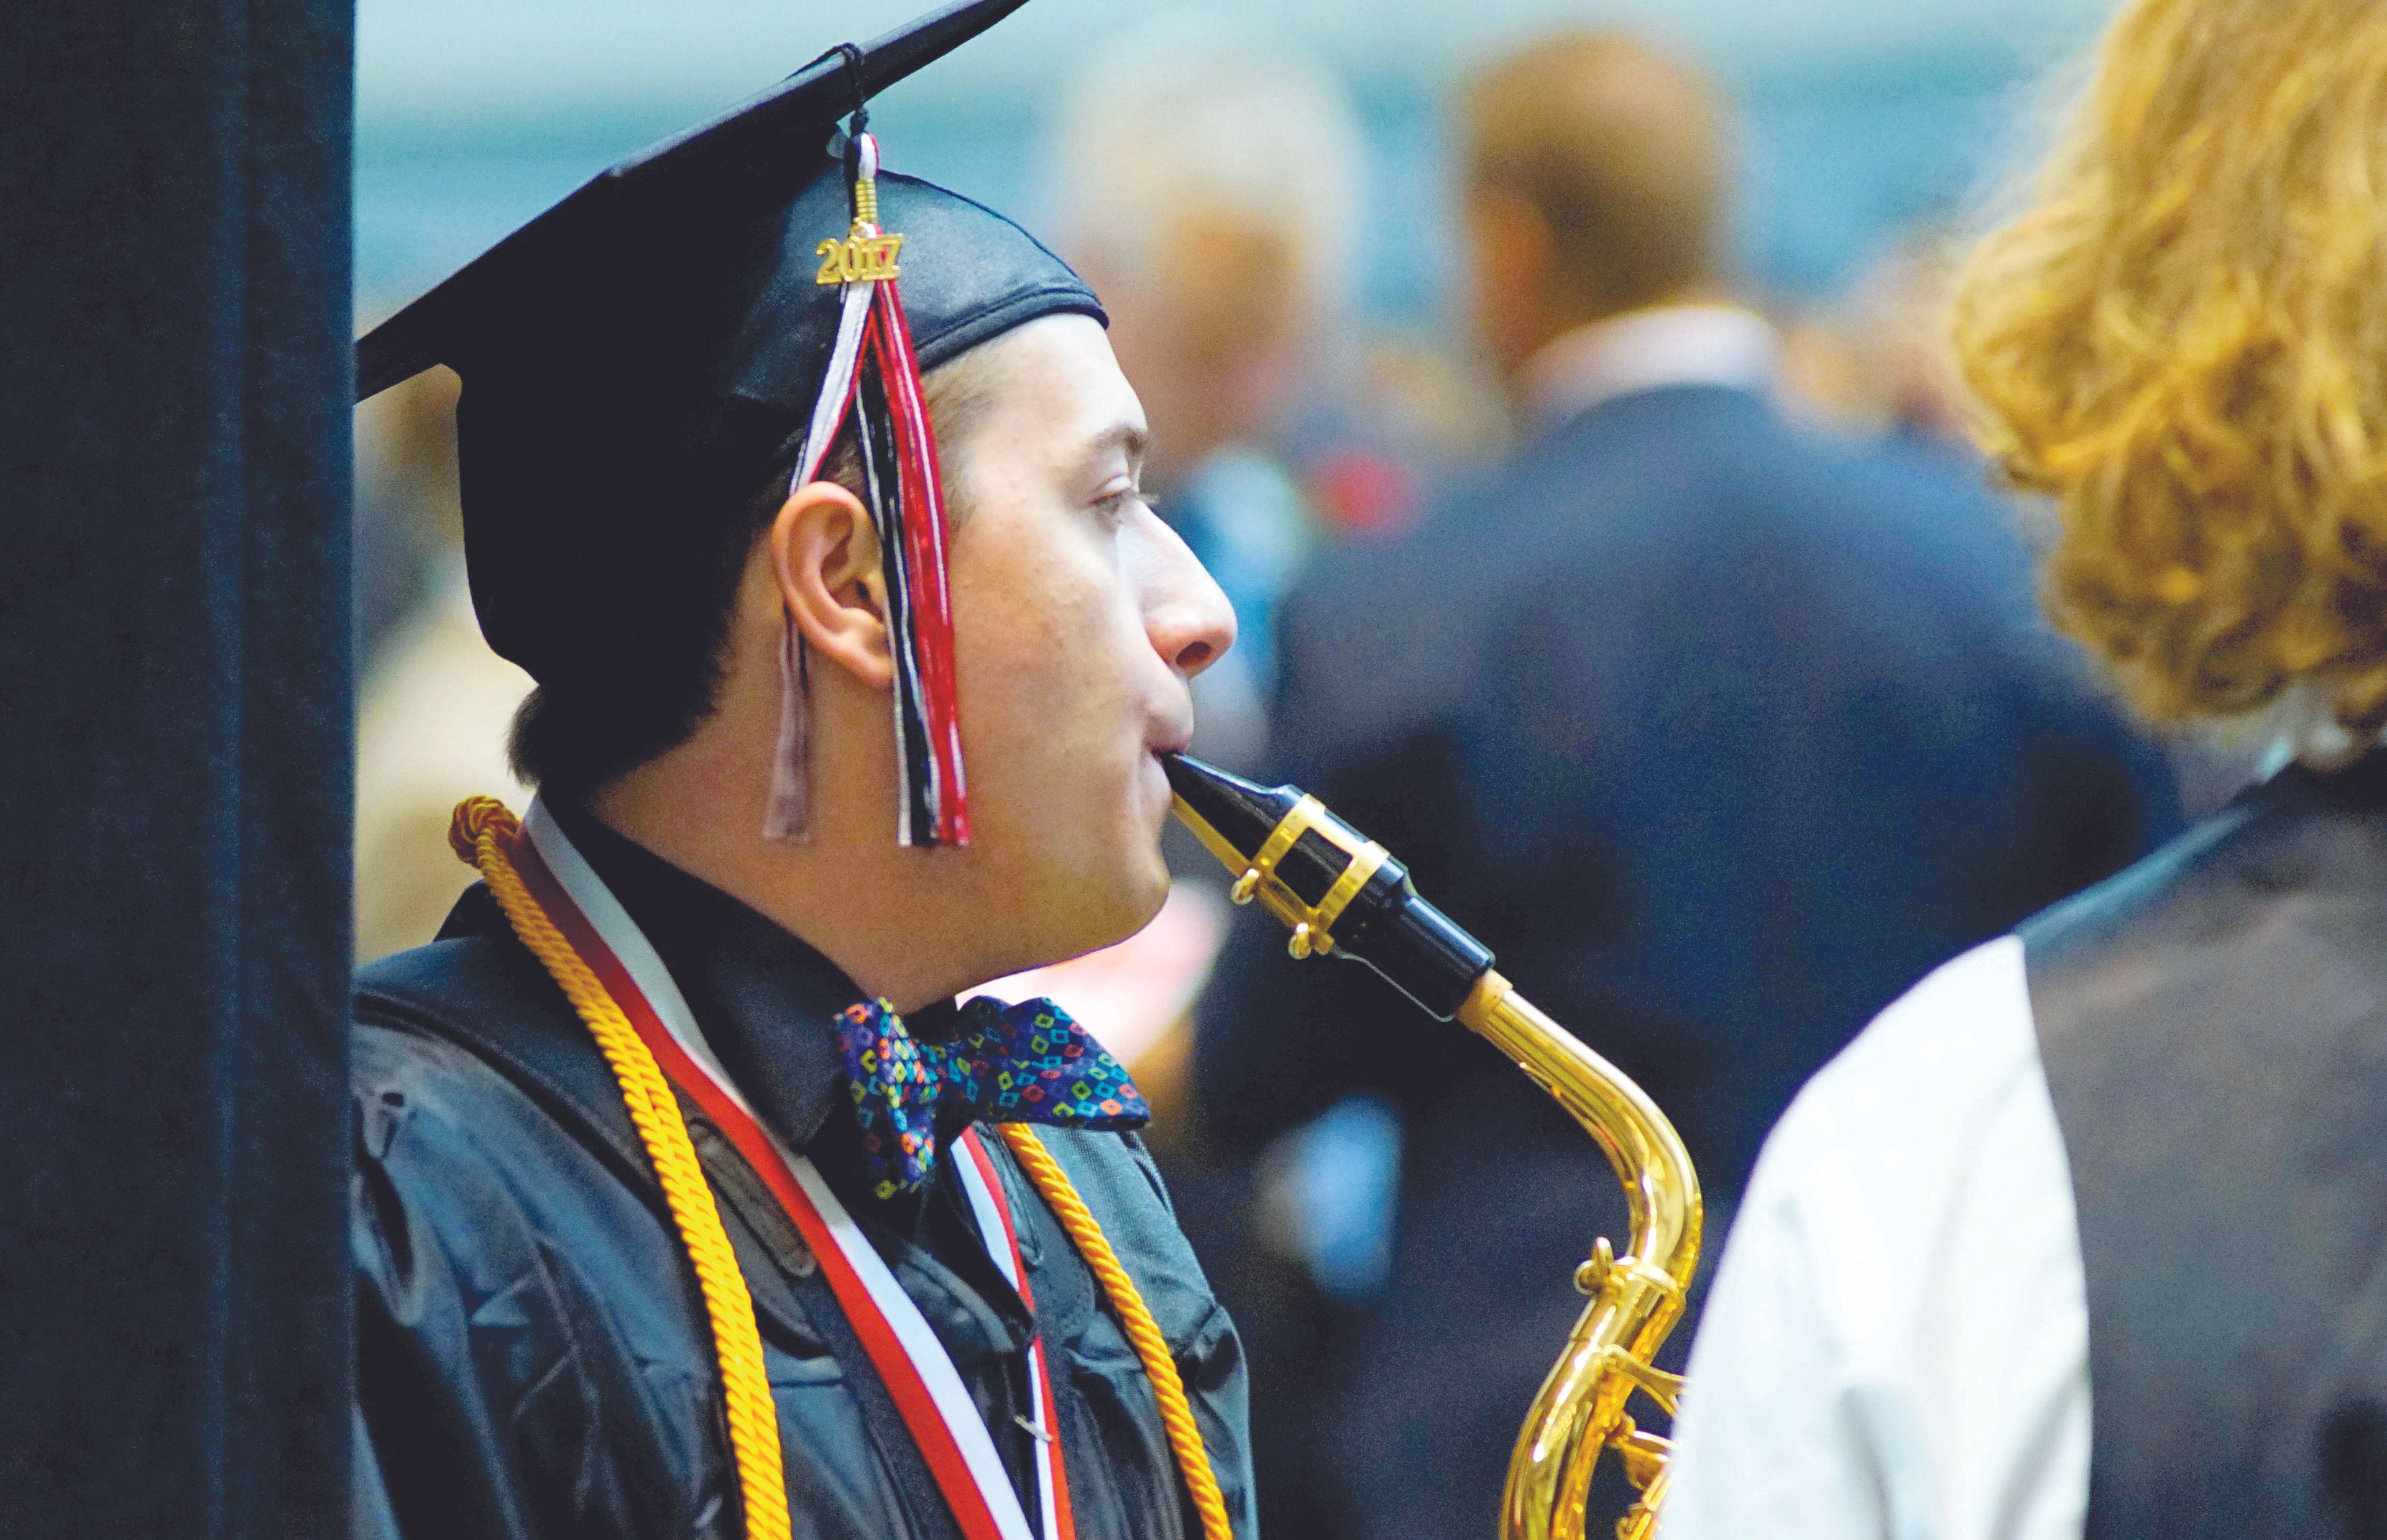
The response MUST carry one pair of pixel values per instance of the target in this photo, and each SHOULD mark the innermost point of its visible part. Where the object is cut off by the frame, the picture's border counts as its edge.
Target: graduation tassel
(873, 377)
(929, 593)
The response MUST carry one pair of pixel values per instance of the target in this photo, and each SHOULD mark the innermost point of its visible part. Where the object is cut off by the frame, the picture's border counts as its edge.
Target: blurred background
(1864, 126)
(1772, 726)
(1859, 116)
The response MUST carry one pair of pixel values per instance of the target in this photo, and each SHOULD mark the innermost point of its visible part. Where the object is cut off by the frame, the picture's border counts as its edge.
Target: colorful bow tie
(1027, 1062)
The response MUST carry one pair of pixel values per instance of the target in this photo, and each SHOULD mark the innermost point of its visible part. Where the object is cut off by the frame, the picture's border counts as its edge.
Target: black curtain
(175, 788)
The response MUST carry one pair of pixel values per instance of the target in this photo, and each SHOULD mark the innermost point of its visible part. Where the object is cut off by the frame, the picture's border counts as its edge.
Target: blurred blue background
(1859, 118)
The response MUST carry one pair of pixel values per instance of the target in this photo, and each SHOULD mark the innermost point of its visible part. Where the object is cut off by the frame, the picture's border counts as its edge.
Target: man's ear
(824, 557)
(1511, 269)
(1512, 236)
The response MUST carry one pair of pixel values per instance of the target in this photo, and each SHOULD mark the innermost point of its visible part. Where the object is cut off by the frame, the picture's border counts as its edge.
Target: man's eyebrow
(1126, 436)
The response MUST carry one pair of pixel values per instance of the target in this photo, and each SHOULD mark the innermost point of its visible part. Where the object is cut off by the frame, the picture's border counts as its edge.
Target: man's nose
(1185, 611)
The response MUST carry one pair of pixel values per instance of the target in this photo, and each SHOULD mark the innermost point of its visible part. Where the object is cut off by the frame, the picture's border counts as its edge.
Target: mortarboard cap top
(637, 357)
(757, 153)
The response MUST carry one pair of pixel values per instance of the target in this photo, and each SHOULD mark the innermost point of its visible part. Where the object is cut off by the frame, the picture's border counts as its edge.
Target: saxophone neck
(1661, 1187)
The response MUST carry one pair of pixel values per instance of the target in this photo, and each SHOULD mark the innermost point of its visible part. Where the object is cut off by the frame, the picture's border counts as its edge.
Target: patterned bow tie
(1027, 1062)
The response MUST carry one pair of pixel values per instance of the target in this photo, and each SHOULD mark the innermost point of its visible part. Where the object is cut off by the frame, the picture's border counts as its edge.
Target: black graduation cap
(639, 359)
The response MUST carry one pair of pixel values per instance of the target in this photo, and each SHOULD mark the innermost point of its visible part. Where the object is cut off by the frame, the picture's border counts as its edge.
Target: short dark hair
(573, 736)
(1623, 148)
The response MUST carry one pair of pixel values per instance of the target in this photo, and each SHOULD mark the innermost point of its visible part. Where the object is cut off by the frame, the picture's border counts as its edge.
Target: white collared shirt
(1897, 1345)
(1667, 345)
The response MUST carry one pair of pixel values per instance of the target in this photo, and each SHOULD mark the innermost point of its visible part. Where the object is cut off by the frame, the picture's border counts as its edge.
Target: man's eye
(1115, 505)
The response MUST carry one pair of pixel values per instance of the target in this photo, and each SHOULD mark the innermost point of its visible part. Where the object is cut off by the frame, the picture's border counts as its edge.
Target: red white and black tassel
(874, 380)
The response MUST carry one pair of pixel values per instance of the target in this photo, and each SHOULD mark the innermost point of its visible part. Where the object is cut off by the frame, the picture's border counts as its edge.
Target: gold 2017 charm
(859, 258)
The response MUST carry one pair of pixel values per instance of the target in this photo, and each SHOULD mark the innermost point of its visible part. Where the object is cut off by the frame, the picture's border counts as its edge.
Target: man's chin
(1153, 894)
(1126, 905)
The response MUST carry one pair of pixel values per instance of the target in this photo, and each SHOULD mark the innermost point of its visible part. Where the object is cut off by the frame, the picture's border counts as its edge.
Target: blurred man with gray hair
(1209, 185)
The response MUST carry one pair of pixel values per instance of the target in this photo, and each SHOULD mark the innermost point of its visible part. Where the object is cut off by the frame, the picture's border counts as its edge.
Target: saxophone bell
(1344, 895)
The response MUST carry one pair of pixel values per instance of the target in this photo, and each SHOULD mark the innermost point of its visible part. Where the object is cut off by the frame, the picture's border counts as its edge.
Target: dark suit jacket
(1721, 732)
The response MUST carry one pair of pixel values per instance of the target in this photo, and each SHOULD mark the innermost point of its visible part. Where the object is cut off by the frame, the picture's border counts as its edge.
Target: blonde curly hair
(2183, 341)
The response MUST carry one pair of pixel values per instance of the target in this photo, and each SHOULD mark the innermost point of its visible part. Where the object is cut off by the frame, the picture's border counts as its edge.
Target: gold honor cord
(1159, 1366)
(481, 835)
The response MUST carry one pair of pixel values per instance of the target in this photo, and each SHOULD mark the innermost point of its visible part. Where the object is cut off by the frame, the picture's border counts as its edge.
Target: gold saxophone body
(1344, 895)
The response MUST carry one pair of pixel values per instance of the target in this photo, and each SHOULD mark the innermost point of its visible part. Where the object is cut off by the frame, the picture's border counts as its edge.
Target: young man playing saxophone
(686, 1203)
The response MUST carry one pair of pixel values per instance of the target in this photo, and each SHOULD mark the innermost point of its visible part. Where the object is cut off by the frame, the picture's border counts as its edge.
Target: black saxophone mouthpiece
(1342, 894)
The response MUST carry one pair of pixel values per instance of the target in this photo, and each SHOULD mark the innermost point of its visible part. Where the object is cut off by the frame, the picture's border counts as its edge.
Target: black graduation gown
(533, 1355)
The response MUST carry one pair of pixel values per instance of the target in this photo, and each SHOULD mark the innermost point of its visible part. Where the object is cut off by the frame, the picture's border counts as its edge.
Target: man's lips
(1160, 744)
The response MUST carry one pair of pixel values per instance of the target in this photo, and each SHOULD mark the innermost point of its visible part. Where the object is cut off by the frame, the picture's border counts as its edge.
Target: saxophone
(1344, 896)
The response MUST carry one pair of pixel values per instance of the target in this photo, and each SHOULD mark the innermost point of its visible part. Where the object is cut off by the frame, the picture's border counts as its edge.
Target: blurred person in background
(1721, 730)
(1872, 360)
(1895, 312)
(1207, 186)
(435, 704)
(2080, 1237)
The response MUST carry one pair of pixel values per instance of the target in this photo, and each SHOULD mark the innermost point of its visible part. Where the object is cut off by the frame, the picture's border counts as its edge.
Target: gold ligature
(1344, 895)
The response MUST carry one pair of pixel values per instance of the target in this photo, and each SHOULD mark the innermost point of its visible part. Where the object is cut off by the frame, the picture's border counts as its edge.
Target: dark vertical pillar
(174, 783)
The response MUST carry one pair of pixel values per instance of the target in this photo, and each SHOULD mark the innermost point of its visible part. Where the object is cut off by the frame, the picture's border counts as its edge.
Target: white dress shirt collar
(1668, 345)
